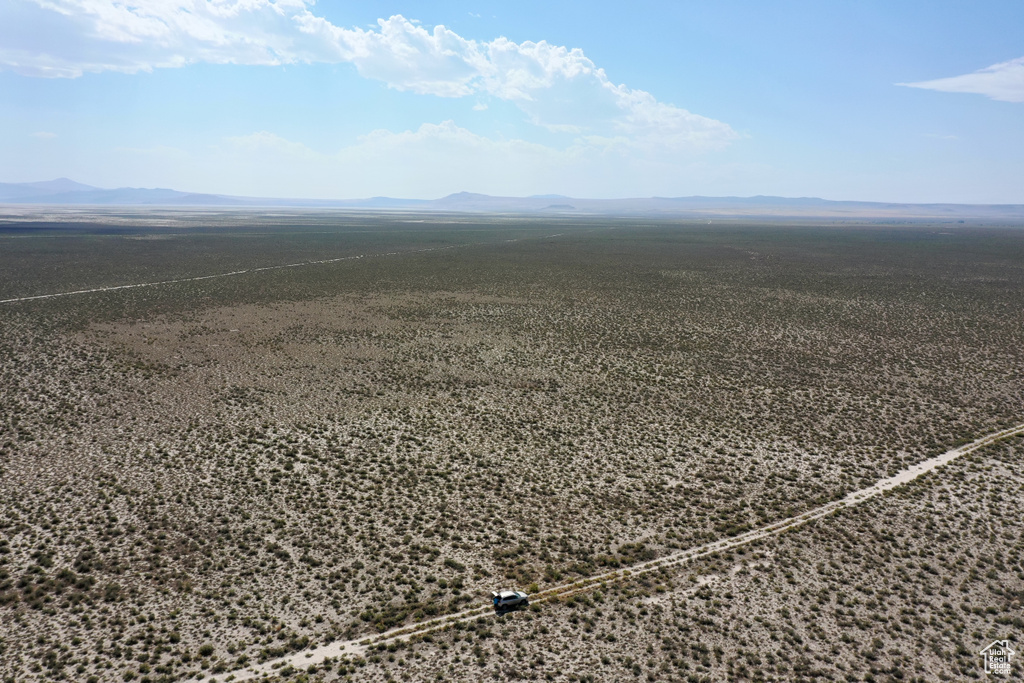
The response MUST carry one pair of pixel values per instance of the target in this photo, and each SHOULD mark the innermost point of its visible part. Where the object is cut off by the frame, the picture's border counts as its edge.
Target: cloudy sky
(889, 101)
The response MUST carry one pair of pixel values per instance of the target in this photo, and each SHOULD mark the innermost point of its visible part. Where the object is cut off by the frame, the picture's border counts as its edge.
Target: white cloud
(556, 87)
(66, 38)
(1003, 81)
(431, 161)
(437, 159)
(43, 135)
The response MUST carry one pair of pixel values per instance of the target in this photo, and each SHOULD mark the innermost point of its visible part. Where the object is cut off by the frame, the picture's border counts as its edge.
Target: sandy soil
(358, 648)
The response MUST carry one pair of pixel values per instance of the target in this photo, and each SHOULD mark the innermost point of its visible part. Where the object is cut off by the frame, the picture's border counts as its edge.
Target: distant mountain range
(68, 192)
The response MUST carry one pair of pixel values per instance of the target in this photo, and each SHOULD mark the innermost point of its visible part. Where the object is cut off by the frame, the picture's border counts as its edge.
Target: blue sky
(886, 101)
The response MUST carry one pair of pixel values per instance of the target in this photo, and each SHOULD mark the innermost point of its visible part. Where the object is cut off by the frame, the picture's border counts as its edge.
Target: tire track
(247, 271)
(301, 660)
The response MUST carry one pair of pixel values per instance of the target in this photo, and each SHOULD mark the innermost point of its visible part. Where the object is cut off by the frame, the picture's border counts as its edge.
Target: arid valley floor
(318, 426)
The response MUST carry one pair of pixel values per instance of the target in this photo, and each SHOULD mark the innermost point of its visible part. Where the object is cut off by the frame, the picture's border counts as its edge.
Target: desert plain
(232, 437)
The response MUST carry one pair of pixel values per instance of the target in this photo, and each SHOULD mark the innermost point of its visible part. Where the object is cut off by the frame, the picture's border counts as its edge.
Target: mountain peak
(466, 195)
(59, 185)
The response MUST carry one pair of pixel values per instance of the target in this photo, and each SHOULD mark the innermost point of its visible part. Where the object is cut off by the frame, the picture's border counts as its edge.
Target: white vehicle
(508, 599)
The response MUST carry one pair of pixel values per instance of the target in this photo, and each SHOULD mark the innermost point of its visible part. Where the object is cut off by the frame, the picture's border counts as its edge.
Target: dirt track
(246, 271)
(204, 277)
(317, 655)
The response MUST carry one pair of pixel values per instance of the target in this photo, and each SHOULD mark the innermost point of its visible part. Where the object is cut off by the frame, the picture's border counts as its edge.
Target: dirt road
(301, 660)
(250, 271)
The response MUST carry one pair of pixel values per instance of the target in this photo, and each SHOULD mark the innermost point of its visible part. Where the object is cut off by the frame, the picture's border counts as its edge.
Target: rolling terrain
(64, 192)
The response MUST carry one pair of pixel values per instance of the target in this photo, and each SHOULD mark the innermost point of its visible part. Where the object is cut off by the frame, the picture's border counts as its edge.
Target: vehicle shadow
(502, 611)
